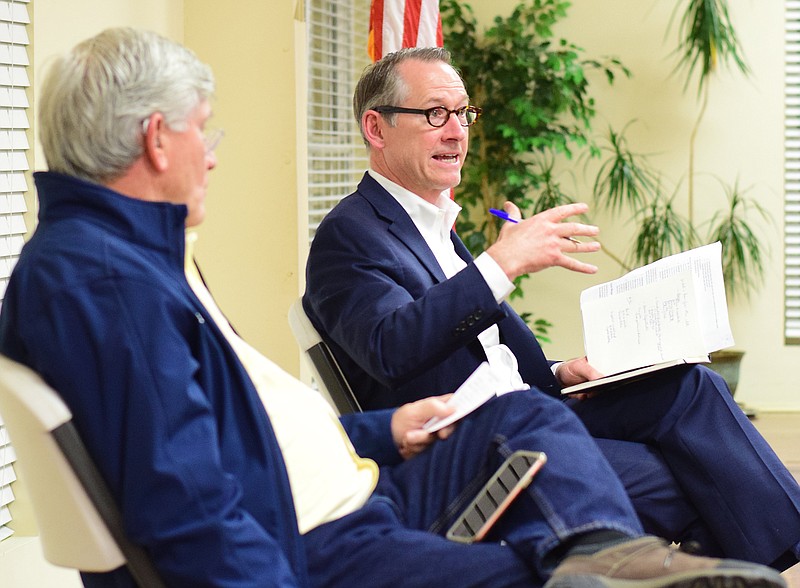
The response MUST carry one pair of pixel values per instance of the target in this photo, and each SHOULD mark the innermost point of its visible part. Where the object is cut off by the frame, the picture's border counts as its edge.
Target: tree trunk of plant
(693, 136)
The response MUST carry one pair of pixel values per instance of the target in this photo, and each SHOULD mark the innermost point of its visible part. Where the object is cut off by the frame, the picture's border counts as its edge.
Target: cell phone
(497, 494)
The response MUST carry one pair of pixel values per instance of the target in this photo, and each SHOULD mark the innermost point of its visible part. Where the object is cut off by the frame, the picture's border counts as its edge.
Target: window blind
(337, 54)
(13, 186)
(792, 175)
(7, 476)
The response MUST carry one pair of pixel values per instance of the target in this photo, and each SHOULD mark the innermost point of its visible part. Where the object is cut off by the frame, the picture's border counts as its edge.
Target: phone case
(497, 494)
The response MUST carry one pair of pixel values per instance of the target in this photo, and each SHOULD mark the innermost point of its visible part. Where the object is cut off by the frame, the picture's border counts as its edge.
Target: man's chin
(451, 182)
(195, 217)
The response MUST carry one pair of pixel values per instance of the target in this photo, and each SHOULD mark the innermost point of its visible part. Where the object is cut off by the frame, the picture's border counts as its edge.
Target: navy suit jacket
(400, 330)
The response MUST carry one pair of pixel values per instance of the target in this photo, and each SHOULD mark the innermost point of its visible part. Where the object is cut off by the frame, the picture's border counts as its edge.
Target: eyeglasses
(211, 138)
(438, 115)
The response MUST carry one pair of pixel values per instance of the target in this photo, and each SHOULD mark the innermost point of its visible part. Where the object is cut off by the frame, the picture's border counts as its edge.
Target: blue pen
(503, 215)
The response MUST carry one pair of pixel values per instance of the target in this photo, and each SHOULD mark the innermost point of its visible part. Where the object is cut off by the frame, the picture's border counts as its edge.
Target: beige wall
(248, 246)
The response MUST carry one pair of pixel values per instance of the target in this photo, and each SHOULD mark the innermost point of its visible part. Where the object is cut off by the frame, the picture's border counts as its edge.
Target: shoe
(648, 562)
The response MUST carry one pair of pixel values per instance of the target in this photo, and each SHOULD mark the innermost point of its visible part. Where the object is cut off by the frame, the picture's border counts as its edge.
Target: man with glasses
(408, 313)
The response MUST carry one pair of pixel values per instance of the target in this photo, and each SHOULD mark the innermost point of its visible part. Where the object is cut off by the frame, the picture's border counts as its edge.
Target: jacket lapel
(461, 249)
(399, 224)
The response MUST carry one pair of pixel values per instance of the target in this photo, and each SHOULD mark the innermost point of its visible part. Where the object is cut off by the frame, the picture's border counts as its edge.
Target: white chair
(79, 523)
(325, 368)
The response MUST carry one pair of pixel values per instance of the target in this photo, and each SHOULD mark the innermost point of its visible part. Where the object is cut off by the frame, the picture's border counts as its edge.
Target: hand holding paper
(477, 389)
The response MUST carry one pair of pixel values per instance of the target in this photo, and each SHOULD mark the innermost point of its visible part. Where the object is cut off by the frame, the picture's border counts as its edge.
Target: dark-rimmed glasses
(438, 115)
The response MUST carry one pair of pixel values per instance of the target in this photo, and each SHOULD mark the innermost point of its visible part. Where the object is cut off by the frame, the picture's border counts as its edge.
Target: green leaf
(625, 179)
(708, 38)
(742, 252)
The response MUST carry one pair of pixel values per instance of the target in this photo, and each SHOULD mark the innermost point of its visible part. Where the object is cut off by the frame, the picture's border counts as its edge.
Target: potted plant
(626, 182)
(538, 112)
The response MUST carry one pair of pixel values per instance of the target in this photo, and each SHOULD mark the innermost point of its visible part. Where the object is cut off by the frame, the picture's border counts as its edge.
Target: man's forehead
(430, 81)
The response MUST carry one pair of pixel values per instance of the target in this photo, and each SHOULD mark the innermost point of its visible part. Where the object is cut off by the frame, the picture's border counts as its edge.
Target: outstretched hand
(543, 240)
(407, 421)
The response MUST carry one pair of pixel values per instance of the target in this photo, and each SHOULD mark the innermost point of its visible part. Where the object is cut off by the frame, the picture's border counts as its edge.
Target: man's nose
(453, 128)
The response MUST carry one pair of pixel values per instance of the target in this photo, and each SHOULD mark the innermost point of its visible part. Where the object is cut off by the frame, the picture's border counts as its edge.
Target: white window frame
(14, 148)
(337, 54)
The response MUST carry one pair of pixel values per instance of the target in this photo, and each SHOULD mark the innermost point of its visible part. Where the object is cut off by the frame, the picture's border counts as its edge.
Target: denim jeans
(397, 538)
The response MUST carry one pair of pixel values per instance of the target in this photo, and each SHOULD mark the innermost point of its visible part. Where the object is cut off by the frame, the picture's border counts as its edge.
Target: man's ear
(373, 125)
(153, 148)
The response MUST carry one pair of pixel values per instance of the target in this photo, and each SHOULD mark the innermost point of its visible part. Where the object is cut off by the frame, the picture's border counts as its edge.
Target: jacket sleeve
(371, 434)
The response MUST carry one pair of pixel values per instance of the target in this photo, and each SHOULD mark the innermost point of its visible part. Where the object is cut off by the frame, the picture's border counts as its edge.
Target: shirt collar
(432, 220)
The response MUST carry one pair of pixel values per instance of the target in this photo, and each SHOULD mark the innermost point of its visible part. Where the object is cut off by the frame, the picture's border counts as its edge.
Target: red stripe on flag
(401, 20)
(411, 22)
(375, 42)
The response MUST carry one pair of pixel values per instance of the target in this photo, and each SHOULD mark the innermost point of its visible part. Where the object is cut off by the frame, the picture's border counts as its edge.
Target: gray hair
(95, 98)
(380, 84)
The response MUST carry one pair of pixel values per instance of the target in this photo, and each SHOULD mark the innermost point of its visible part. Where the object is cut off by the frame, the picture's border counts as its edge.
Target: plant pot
(726, 363)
